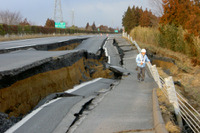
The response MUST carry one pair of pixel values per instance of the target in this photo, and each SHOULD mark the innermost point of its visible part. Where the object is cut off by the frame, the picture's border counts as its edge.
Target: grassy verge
(169, 37)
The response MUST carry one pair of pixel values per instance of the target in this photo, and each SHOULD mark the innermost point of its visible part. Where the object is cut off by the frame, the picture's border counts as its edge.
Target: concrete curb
(159, 124)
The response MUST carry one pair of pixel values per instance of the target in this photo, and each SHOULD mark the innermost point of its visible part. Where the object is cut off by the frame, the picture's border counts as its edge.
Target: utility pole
(58, 17)
(73, 17)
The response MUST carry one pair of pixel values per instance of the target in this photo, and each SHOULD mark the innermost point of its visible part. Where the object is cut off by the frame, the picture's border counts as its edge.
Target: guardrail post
(123, 34)
(156, 75)
(173, 99)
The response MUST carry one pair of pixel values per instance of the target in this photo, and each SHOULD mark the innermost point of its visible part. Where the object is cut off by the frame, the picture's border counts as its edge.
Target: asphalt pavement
(112, 52)
(93, 44)
(38, 41)
(128, 107)
(49, 116)
(20, 58)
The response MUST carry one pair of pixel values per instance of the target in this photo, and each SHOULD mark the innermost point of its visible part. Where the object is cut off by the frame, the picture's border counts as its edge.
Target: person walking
(141, 60)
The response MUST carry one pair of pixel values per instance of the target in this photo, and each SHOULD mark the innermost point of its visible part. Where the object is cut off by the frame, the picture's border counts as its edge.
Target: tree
(182, 12)
(10, 18)
(145, 19)
(50, 23)
(87, 26)
(128, 20)
(138, 12)
(94, 28)
(193, 22)
(197, 3)
(25, 22)
(135, 16)
(103, 28)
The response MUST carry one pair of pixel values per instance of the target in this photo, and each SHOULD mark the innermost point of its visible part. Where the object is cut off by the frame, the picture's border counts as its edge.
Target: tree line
(136, 16)
(184, 13)
(177, 25)
(13, 23)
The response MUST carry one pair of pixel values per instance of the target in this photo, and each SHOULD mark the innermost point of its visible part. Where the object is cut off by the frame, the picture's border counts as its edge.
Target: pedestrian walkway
(128, 107)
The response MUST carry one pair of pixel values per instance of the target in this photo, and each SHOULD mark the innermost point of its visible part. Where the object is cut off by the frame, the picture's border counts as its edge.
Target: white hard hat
(143, 51)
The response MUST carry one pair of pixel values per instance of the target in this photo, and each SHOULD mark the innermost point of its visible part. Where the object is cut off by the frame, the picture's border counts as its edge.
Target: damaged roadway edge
(7, 78)
(44, 46)
(91, 103)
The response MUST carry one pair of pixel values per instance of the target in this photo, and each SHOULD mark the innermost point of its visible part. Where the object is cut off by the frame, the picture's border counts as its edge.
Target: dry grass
(182, 61)
(149, 38)
(68, 47)
(145, 35)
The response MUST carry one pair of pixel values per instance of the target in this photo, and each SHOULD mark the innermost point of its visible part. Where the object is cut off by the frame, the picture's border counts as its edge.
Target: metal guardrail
(181, 106)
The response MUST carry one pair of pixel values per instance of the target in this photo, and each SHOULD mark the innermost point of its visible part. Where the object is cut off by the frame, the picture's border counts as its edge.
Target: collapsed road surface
(47, 117)
(27, 76)
(100, 105)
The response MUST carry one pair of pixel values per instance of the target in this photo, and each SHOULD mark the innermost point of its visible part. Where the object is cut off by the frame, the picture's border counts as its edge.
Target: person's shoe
(138, 80)
(142, 80)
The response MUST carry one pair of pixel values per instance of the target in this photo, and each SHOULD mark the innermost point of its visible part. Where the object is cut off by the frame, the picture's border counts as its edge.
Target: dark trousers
(141, 73)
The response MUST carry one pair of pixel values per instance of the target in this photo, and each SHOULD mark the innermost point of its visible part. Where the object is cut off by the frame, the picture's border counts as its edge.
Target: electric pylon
(58, 17)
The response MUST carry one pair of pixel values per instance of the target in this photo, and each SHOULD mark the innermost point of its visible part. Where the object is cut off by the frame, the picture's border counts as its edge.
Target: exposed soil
(68, 47)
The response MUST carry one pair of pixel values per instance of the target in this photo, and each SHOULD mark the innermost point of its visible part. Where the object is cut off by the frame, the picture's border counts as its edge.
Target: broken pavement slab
(119, 70)
(49, 116)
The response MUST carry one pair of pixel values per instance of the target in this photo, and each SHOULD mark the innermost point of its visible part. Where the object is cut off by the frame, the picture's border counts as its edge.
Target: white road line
(82, 85)
(34, 112)
(25, 119)
(106, 51)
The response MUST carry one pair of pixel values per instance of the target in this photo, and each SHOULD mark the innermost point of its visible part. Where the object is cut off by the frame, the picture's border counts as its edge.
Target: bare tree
(157, 7)
(10, 18)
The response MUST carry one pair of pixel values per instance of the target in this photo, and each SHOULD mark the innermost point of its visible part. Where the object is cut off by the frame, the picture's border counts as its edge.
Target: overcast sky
(102, 12)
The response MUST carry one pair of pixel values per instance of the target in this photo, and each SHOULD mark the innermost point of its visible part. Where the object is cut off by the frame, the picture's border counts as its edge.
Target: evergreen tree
(50, 23)
(136, 16)
(126, 21)
(144, 19)
(94, 28)
(87, 26)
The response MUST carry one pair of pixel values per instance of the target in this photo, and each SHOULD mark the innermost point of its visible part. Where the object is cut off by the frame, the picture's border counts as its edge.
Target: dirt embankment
(184, 70)
(23, 95)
